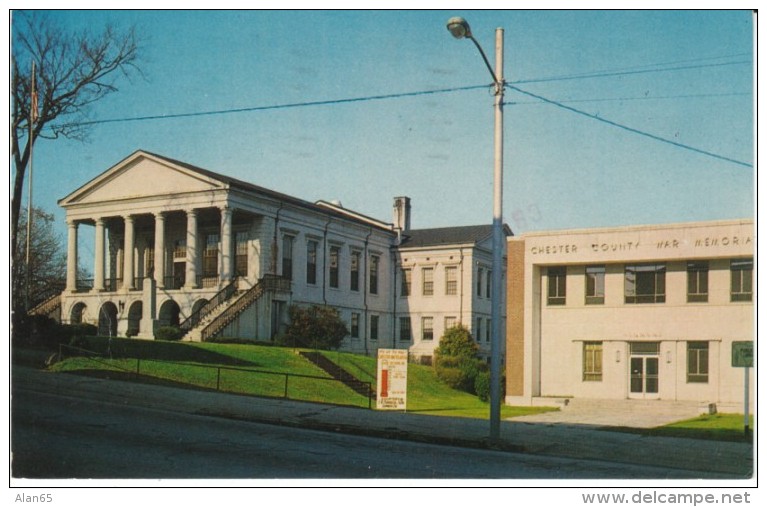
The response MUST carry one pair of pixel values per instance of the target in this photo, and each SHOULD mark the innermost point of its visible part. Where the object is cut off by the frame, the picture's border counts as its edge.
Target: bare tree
(74, 70)
(47, 260)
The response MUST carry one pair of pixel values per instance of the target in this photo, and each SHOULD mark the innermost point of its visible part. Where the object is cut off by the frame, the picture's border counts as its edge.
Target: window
(333, 278)
(354, 278)
(478, 331)
(405, 331)
(592, 361)
(374, 327)
(451, 280)
(428, 281)
(480, 274)
(557, 284)
(645, 283)
(149, 260)
(489, 284)
(427, 328)
(488, 330)
(450, 322)
(595, 285)
(697, 282)
(697, 362)
(407, 282)
(374, 260)
(741, 274)
(355, 325)
(210, 256)
(241, 254)
(311, 262)
(179, 249)
(287, 257)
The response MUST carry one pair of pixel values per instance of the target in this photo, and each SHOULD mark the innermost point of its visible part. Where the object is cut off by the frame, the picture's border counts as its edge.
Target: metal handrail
(221, 297)
(89, 354)
(267, 283)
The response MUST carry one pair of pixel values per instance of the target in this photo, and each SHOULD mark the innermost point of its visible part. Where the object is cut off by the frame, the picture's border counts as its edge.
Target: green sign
(742, 354)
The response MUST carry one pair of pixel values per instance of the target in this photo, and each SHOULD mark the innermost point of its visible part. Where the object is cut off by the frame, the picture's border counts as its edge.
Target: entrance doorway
(644, 359)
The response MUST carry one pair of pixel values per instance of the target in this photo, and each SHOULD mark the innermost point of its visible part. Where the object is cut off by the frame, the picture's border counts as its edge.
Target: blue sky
(682, 76)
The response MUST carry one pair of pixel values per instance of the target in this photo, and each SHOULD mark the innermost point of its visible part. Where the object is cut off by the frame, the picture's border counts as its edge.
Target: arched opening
(134, 318)
(198, 304)
(169, 314)
(76, 313)
(108, 319)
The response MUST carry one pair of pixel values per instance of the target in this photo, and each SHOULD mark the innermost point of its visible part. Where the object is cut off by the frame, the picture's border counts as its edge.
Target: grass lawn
(197, 365)
(242, 369)
(426, 394)
(727, 427)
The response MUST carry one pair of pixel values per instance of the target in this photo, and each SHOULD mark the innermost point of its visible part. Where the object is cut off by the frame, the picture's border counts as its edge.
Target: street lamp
(460, 29)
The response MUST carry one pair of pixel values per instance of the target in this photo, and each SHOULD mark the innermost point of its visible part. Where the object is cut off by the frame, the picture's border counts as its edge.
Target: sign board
(391, 386)
(743, 354)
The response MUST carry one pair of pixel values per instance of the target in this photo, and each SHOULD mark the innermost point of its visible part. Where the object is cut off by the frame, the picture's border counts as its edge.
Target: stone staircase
(213, 318)
(195, 334)
(340, 374)
(48, 303)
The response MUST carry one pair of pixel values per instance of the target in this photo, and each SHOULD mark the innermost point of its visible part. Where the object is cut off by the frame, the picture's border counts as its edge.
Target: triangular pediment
(142, 175)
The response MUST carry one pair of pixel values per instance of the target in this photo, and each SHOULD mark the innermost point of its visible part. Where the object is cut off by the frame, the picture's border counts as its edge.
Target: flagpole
(32, 118)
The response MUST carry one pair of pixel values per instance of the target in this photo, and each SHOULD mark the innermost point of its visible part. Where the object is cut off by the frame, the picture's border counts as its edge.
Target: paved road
(75, 435)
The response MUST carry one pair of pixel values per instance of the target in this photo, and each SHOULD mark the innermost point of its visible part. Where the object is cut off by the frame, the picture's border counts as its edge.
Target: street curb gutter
(387, 433)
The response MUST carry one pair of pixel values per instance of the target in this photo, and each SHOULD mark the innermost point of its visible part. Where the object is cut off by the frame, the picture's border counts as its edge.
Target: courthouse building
(179, 245)
(647, 312)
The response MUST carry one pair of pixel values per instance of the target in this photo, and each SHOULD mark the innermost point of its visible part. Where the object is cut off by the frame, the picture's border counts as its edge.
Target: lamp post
(460, 29)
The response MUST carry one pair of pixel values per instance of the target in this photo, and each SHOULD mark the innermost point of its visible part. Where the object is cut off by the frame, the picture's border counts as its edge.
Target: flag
(33, 113)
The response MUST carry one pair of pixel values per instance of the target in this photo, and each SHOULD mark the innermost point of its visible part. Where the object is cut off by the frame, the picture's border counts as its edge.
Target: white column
(98, 253)
(225, 255)
(191, 249)
(71, 256)
(159, 249)
(128, 255)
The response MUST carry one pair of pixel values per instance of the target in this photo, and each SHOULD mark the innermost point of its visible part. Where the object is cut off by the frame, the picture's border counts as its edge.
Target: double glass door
(643, 369)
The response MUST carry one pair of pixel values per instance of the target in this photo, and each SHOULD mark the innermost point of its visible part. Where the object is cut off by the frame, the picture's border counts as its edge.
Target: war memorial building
(646, 312)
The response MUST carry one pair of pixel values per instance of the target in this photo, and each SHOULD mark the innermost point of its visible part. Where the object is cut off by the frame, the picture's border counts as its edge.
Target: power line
(652, 65)
(625, 72)
(596, 74)
(629, 129)
(274, 107)
(643, 97)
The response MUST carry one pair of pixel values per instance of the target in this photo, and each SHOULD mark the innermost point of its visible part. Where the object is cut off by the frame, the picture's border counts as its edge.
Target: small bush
(459, 373)
(457, 342)
(71, 331)
(36, 331)
(482, 386)
(168, 333)
(317, 327)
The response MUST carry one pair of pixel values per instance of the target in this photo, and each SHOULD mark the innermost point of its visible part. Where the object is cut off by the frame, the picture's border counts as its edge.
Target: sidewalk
(582, 441)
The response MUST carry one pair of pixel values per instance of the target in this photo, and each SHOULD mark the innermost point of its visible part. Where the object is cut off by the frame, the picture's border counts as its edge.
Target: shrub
(36, 330)
(482, 386)
(168, 333)
(71, 331)
(318, 327)
(457, 342)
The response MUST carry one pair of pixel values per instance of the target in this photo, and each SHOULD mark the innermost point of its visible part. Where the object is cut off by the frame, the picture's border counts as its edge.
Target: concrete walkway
(621, 413)
(573, 437)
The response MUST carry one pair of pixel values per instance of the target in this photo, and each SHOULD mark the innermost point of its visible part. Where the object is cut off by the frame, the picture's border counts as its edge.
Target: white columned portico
(191, 249)
(98, 253)
(128, 253)
(225, 264)
(71, 256)
(159, 249)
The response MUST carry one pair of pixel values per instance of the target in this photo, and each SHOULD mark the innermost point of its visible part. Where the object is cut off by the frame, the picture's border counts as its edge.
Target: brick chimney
(401, 214)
